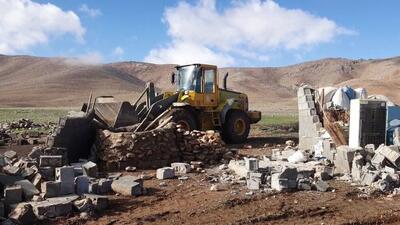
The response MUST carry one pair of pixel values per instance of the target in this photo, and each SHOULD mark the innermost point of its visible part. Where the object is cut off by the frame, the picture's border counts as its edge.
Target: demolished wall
(158, 148)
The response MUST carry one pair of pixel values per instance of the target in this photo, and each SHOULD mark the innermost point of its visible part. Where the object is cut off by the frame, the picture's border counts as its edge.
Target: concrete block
(321, 186)
(304, 184)
(391, 153)
(378, 161)
(23, 215)
(54, 207)
(128, 185)
(324, 172)
(105, 186)
(100, 202)
(10, 154)
(238, 166)
(254, 181)
(37, 180)
(12, 194)
(94, 187)
(90, 169)
(181, 168)
(285, 180)
(48, 173)
(81, 185)
(165, 173)
(343, 159)
(67, 177)
(369, 177)
(36, 153)
(12, 170)
(51, 160)
(51, 189)
(28, 189)
(251, 164)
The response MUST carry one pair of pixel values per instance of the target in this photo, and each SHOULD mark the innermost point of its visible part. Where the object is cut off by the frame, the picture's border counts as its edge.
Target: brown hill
(35, 81)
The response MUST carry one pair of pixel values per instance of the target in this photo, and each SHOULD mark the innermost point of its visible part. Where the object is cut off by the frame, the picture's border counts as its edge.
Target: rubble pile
(286, 170)
(24, 132)
(43, 185)
(26, 124)
(159, 147)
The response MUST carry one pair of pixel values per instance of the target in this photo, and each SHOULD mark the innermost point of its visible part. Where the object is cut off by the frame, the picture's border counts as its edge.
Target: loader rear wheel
(236, 127)
(185, 118)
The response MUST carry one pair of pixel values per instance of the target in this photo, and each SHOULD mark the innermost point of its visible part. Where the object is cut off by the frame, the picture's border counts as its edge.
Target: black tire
(236, 127)
(184, 117)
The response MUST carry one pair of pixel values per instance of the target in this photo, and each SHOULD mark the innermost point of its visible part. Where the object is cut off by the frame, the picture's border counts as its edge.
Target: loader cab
(198, 84)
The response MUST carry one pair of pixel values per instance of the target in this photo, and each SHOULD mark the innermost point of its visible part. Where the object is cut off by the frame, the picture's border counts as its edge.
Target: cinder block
(128, 185)
(81, 185)
(51, 189)
(12, 194)
(51, 160)
(90, 169)
(251, 164)
(165, 173)
(66, 176)
(181, 168)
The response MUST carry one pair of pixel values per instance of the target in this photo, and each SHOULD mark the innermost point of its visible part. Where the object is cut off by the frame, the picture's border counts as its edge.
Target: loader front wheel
(236, 127)
(185, 118)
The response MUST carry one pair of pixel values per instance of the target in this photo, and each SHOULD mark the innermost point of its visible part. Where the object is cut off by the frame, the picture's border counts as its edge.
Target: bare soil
(192, 202)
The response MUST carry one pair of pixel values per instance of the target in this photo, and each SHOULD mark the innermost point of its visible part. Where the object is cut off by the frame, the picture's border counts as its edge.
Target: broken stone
(23, 214)
(304, 184)
(130, 169)
(128, 185)
(36, 153)
(28, 189)
(323, 172)
(343, 159)
(216, 187)
(357, 165)
(54, 207)
(181, 168)
(90, 169)
(285, 180)
(100, 202)
(51, 188)
(12, 170)
(84, 205)
(165, 173)
(369, 177)
(254, 181)
(104, 186)
(10, 154)
(94, 187)
(37, 180)
(51, 161)
(322, 186)
(391, 153)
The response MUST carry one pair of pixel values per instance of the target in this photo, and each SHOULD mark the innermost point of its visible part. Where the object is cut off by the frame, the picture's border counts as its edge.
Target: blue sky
(228, 33)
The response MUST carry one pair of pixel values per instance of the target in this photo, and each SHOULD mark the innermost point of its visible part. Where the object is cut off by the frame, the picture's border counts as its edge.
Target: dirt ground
(191, 201)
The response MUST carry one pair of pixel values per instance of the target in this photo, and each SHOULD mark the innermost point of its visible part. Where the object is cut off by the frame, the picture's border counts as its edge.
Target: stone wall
(159, 147)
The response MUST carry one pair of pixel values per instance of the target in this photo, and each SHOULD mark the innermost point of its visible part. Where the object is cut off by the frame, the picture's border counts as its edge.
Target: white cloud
(25, 24)
(89, 58)
(255, 27)
(185, 52)
(118, 51)
(90, 11)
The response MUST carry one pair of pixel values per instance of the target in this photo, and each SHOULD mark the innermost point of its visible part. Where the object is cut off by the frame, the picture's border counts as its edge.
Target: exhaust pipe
(225, 80)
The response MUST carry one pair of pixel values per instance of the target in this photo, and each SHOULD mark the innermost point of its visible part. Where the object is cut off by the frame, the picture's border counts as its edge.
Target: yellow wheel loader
(198, 103)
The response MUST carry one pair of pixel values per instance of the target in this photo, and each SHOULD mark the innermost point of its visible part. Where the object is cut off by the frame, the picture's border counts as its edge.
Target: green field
(43, 115)
(272, 120)
(37, 115)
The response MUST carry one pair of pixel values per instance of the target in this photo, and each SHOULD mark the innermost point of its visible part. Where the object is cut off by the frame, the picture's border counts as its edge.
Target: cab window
(209, 78)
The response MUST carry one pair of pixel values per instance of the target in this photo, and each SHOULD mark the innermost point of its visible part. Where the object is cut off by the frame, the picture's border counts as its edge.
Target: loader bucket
(116, 114)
